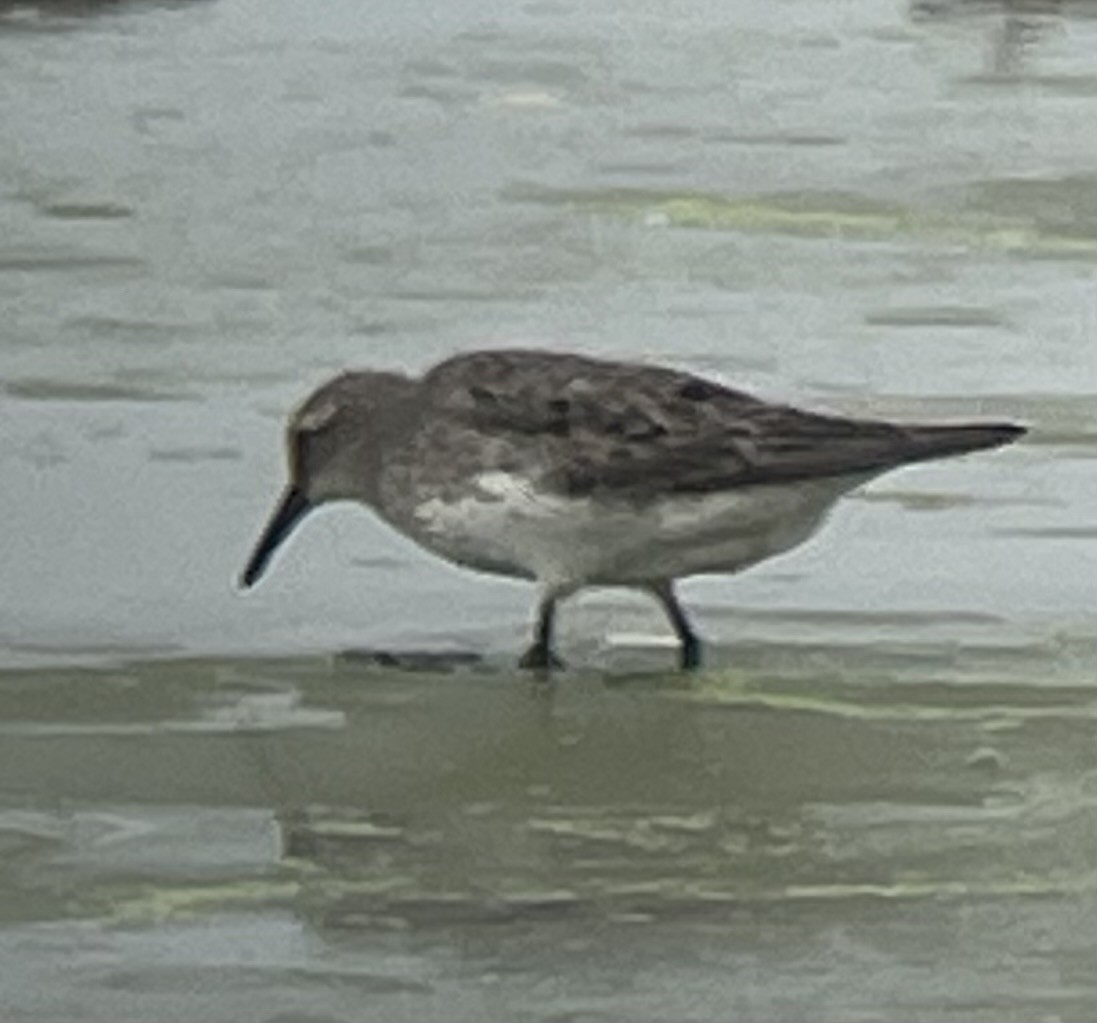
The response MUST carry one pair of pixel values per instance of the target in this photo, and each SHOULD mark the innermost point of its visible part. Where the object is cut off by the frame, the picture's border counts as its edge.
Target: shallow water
(334, 799)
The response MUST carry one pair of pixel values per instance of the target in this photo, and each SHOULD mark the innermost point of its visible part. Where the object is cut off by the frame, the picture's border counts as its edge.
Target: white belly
(505, 525)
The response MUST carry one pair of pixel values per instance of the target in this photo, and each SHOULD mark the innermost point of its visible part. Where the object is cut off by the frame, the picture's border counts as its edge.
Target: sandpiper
(573, 471)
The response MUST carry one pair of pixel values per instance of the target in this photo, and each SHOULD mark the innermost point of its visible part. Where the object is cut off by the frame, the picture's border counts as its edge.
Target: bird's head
(333, 453)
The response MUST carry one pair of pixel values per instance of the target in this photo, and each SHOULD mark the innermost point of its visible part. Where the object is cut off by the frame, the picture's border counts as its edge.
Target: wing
(592, 425)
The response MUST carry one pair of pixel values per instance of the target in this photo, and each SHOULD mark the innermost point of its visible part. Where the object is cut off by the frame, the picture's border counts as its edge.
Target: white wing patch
(506, 487)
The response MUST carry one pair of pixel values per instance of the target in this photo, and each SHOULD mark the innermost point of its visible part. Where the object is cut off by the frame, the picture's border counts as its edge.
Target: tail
(941, 441)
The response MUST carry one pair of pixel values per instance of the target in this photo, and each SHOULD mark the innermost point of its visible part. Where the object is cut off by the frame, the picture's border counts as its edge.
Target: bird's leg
(540, 656)
(689, 657)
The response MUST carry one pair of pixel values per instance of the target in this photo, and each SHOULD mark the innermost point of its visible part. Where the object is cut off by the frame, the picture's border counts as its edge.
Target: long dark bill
(292, 507)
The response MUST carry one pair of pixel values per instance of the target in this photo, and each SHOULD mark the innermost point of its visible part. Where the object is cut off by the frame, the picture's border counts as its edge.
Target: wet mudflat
(335, 799)
(819, 830)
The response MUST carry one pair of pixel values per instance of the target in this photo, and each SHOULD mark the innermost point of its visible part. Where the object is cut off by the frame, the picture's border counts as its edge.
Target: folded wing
(596, 426)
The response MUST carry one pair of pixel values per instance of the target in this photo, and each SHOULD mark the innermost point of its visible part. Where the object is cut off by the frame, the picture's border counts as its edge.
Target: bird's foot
(690, 655)
(540, 658)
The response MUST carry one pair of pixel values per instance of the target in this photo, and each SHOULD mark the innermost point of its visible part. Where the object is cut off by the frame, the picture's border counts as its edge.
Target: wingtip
(946, 440)
(1010, 432)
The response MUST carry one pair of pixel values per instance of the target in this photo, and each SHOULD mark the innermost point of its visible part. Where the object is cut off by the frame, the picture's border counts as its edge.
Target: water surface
(878, 800)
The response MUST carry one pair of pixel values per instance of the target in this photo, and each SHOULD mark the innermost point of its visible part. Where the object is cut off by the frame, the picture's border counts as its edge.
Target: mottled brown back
(599, 426)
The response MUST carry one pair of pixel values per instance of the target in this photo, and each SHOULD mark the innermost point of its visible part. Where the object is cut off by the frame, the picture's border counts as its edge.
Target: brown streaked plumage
(576, 471)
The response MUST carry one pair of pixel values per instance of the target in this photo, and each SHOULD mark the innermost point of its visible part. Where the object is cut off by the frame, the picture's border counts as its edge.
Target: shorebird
(573, 471)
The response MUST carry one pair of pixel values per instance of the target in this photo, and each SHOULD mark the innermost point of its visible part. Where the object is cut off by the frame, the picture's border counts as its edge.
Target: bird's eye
(314, 426)
(318, 419)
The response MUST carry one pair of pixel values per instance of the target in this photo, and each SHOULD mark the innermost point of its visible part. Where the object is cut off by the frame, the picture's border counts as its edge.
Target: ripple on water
(56, 260)
(75, 210)
(935, 316)
(196, 454)
(49, 389)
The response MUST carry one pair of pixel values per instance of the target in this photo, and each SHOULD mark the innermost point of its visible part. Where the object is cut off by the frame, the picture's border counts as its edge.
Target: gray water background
(877, 803)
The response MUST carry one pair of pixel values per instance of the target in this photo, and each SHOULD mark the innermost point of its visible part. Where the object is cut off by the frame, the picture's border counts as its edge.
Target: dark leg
(540, 656)
(690, 652)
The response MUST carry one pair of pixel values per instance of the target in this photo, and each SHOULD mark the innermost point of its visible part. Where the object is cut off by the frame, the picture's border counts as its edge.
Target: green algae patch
(823, 214)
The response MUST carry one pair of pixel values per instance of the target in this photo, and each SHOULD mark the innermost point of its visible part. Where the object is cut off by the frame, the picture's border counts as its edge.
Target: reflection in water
(647, 788)
(1018, 25)
(655, 818)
